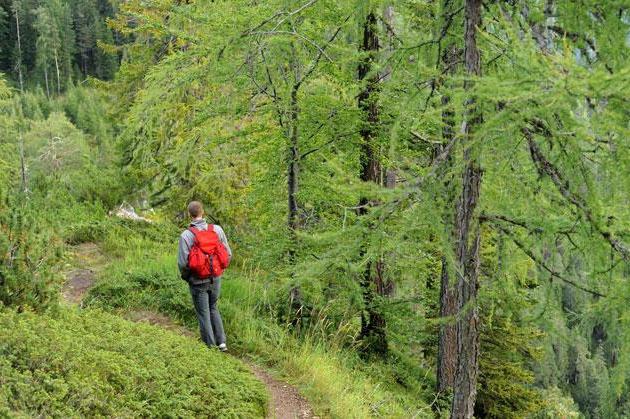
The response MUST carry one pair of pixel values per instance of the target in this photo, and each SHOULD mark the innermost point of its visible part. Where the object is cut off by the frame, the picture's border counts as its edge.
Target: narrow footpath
(285, 401)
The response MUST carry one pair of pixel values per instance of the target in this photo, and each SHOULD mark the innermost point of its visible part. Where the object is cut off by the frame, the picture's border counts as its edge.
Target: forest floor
(285, 403)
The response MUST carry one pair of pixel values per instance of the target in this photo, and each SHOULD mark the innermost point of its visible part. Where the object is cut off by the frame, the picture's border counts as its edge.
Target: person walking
(203, 253)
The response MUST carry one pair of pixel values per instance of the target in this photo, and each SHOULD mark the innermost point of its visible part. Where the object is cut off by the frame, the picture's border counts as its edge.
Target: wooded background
(439, 187)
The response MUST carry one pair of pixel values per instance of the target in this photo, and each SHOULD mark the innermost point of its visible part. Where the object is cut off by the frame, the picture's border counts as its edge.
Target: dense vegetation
(428, 200)
(95, 364)
(143, 277)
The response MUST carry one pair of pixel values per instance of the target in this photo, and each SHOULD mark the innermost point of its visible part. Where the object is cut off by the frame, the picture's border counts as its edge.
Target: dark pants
(205, 298)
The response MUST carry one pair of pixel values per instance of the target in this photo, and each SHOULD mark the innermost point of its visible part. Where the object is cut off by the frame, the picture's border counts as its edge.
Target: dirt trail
(80, 280)
(285, 403)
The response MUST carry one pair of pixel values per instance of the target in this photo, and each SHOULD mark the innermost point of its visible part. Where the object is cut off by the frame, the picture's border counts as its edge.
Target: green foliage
(59, 42)
(95, 364)
(211, 119)
(53, 189)
(557, 405)
(220, 101)
(336, 381)
(29, 253)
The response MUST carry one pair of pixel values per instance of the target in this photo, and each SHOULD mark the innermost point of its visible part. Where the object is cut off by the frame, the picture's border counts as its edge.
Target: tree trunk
(447, 346)
(372, 320)
(19, 46)
(58, 78)
(293, 172)
(368, 103)
(46, 79)
(388, 23)
(294, 156)
(468, 235)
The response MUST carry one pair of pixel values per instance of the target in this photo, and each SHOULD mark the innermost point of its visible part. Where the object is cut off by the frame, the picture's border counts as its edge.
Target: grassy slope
(143, 275)
(91, 363)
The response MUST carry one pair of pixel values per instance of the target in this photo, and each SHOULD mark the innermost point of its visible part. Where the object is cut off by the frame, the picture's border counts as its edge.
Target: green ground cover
(90, 363)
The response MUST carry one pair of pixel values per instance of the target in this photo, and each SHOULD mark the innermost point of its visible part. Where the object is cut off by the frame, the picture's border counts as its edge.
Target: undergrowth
(93, 364)
(143, 275)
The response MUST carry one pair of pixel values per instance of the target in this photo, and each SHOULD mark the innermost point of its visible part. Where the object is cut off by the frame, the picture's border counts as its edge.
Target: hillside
(92, 364)
(428, 203)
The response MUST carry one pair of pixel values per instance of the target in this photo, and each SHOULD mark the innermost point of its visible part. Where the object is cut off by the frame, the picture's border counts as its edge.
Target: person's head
(195, 209)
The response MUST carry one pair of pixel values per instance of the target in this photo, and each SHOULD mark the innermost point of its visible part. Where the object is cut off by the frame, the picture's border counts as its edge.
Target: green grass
(93, 364)
(143, 275)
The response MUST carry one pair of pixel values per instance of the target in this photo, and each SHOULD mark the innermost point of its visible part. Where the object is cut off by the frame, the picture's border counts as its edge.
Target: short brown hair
(195, 209)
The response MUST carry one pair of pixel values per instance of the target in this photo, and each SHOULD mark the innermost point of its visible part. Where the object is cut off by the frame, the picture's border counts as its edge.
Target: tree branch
(322, 50)
(543, 265)
(545, 167)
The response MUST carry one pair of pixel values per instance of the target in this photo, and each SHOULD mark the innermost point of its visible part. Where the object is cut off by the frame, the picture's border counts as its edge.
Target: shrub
(27, 256)
(91, 363)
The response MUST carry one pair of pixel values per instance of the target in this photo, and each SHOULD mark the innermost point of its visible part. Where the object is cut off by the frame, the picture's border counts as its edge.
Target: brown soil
(80, 280)
(286, 402)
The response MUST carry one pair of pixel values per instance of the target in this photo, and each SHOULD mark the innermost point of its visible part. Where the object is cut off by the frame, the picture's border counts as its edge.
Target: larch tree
(467, 231)
(450, 55)
(65, 53)
(48, 43)
(372, 282)
(16, 8)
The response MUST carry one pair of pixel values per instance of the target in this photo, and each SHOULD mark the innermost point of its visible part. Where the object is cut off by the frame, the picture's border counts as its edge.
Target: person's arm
(182, 256)
(223, 239)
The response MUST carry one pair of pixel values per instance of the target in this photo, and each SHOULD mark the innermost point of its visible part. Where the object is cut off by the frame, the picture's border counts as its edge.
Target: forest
(428, 203)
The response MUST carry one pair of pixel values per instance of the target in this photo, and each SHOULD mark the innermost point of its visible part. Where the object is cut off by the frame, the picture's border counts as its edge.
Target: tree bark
(447, 346)
(372, 283)
(468, 235)
(293, 172)
(368, 103)
(388, 26)
(294, 156)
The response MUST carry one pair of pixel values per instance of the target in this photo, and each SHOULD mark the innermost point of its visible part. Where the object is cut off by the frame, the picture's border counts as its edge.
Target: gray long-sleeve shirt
(186, 241)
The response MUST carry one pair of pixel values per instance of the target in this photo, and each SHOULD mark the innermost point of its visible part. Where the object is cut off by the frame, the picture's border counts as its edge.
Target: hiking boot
(223, 347)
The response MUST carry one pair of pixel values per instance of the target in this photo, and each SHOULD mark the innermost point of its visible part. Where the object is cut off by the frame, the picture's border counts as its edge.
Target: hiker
(202, 255)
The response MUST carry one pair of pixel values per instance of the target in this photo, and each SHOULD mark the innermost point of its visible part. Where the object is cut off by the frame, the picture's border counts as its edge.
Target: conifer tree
(448, 64)
(372, 283)
(48, 45)
(467, 231)
(16, 8)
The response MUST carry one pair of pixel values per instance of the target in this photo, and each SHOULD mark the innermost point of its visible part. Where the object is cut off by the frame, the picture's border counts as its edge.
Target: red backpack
(208, 257)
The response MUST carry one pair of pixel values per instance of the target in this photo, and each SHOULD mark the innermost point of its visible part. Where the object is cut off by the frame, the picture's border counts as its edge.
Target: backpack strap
(194, 231)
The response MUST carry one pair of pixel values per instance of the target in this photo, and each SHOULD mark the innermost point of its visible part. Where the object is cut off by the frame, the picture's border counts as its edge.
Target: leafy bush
(91, 363)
